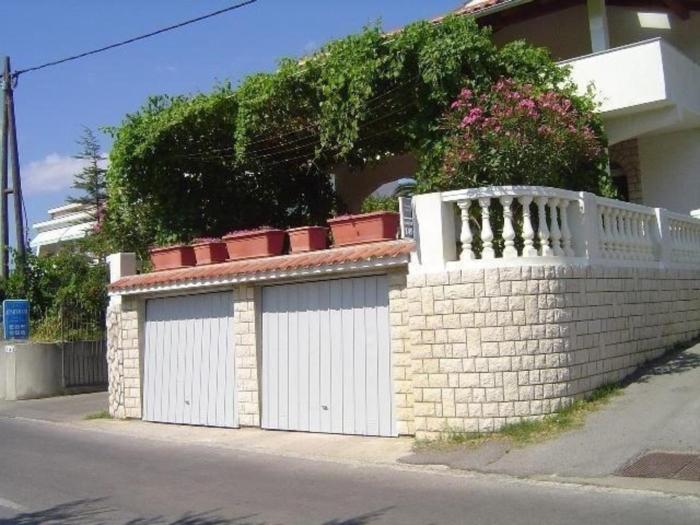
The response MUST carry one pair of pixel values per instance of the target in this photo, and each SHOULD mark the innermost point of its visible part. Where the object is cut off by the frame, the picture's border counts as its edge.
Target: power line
(309, 139)
(134, 39)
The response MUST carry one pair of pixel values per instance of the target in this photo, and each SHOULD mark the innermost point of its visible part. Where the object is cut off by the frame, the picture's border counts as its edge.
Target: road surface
(53, 473)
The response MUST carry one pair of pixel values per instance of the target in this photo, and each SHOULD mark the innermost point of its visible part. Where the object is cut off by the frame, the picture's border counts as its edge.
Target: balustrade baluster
(616, 241)
(542, 229)
(487, 251)
(528, 233)
(466, 236)
(565, 231)
(603, 233)
(555, 232)
(509, 251)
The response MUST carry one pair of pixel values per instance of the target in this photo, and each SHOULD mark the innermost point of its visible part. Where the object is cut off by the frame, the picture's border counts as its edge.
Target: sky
(53, 105)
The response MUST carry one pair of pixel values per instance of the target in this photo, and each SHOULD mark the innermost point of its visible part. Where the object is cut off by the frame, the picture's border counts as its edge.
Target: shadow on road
(94, 512)
(671, 363)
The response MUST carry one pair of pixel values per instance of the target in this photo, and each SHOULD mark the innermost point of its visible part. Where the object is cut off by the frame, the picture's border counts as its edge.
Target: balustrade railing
(626, 231)
(685, 238)
(531, 222)
(496, 224)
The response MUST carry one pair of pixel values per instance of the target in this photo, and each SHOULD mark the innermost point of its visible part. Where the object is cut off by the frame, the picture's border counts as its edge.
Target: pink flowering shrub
(519, 134)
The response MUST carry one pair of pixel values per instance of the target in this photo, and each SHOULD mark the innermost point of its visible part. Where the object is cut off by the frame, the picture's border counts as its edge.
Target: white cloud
(53, 173)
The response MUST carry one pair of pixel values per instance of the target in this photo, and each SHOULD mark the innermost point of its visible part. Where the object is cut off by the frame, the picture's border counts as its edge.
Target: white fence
(539, 225)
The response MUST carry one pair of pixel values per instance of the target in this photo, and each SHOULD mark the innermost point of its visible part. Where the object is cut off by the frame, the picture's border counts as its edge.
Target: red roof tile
(249, 267)
(473, 8)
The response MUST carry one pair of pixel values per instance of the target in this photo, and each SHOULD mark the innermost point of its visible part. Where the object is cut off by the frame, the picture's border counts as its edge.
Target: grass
(530, 431)
(102, 414)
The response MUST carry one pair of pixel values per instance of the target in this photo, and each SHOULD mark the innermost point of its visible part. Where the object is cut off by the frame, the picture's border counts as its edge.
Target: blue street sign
(15, 318)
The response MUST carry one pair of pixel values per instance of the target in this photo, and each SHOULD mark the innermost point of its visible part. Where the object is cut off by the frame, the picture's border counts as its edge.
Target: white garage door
(326, 357)
(188, 363)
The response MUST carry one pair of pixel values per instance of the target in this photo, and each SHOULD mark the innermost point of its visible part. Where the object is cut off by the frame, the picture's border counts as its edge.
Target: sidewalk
(63, 409)
(658, 411)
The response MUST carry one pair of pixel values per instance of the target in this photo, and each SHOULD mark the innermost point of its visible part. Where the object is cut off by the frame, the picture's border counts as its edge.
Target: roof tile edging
(359, 257)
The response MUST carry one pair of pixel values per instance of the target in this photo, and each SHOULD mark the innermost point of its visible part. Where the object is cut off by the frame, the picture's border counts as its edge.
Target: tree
(91, 182)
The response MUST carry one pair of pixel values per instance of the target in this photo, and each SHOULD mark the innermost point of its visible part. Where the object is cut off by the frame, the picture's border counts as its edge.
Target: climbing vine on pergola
(262, 153)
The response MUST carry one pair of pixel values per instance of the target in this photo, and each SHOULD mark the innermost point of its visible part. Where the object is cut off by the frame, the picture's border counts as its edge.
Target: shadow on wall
(96, 511)
(674, 362)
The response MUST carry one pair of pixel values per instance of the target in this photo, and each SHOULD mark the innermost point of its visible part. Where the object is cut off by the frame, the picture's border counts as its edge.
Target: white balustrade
(532, 223)
(625, 230)
(506, 228)
(685, 239)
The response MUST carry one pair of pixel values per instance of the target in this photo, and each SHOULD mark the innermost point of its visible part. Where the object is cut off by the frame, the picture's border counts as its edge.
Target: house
(67, 223)
(643, 59)
(461, 328)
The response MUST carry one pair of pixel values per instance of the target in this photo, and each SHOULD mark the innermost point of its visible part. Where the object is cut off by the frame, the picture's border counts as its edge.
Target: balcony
(643, 88)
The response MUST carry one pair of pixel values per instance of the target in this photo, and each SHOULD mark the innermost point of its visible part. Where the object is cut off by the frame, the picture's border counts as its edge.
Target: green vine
(264, 152)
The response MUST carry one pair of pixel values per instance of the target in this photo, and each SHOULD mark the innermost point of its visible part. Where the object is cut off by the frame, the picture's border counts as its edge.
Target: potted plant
(261, 242)
(365, 227)
(172, 257)
(308, 238)
(209, 250)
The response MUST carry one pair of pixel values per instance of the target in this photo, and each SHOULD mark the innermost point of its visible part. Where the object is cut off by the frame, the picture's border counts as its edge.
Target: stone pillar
(402, 369)
(123, 343)
(123, 357)
(247, 328)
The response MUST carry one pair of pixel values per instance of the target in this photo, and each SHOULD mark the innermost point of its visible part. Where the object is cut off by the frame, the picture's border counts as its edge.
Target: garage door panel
(372, 357)
(336, 357)
(387, 423)
(324, 369)
(326, 360)
(292, 343)
(189, 366)
(359, 368)
(314, 375)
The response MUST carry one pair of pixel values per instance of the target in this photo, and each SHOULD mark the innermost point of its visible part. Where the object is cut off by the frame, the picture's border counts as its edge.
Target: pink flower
(473, 115)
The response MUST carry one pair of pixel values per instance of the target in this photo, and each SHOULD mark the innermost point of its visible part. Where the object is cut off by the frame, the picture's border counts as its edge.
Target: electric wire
(407, 83)
(307, 141)
(240, 5)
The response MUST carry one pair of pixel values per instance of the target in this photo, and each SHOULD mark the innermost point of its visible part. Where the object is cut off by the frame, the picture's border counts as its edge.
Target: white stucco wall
(670, 167)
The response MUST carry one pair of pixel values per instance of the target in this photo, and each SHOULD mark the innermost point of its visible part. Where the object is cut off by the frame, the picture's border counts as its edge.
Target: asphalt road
(56, 474)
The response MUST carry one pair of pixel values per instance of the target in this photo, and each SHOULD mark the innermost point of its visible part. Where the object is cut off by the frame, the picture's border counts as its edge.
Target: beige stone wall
(402, 366)
(123, 357)
(490, 347)
(246, 321)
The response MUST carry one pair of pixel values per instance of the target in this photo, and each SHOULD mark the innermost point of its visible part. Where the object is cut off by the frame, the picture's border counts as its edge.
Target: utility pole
(10, 150)
(16, 179)
(4, 233)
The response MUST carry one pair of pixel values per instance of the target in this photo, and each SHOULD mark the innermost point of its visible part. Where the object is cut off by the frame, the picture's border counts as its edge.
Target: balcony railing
(536, 225)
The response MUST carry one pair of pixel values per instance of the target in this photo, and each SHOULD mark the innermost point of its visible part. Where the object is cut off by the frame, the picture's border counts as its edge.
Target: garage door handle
(324, 407)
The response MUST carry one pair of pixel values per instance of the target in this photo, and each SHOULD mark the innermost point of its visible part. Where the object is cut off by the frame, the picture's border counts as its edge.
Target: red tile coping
(361, 252)
(470, 9)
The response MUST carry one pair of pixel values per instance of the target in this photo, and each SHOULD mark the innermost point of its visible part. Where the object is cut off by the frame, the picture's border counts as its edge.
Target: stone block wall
(402, 366)
(124, 316)
(493, 346)
(247, 379)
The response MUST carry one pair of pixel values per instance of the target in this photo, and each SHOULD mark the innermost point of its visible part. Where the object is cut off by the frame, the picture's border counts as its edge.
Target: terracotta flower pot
(254, 243)
(366, 227)
(209, 251)
(171, 257)
(308, 238)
